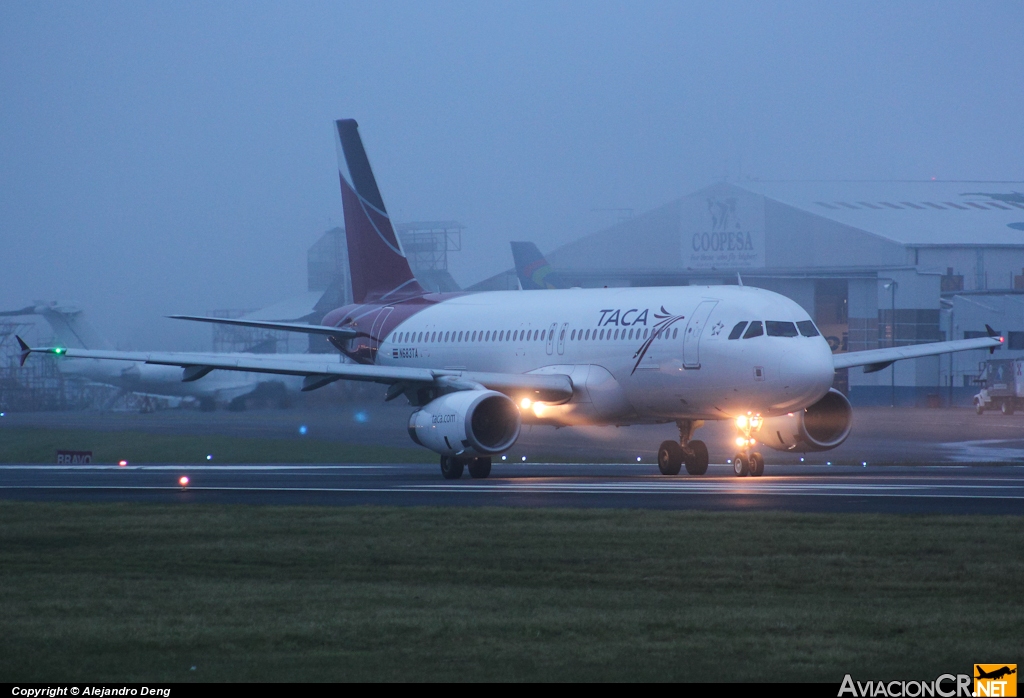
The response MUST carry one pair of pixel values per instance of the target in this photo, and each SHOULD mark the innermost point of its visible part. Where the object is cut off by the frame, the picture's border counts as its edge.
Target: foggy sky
(178, 157)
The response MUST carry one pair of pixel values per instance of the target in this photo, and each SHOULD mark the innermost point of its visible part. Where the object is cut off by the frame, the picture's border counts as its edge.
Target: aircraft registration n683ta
(476, 367)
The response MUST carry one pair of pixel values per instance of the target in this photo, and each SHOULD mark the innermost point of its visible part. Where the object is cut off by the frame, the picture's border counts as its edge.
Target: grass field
(28, 445)
(145, 593)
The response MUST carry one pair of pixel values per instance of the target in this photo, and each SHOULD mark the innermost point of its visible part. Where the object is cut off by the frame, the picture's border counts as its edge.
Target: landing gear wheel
(670, 458)
(740, 465)
(979, 408)
(756, 465)
(480, 467)
(451, 467)
(1006, 408)
(697, 460)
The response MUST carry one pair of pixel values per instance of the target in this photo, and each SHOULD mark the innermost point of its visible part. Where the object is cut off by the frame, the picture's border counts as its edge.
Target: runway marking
(878, 491)
(205, 467)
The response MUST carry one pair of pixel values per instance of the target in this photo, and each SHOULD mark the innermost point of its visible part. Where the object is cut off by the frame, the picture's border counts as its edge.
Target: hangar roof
(912, 213)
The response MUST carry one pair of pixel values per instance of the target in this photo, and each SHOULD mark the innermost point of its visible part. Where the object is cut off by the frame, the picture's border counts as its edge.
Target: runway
(945, 489)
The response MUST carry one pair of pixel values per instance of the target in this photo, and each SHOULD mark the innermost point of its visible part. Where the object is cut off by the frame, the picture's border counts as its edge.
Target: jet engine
(822, 426)
(467, 423)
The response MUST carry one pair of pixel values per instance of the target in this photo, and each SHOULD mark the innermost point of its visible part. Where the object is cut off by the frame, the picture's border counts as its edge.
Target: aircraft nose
(809, 372)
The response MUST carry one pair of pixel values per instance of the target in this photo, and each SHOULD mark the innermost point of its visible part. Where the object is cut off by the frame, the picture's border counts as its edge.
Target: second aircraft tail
(533, 270)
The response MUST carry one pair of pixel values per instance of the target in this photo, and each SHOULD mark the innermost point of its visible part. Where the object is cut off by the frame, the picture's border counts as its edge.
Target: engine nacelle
(467, 423)
(822, 426)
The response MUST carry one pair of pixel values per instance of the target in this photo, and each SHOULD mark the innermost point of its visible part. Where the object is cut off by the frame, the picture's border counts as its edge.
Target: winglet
(993, 333)
(25, 350)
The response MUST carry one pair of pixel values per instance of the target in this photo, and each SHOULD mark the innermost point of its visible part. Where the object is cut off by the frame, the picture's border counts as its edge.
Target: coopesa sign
(717, 242)
(723, 229)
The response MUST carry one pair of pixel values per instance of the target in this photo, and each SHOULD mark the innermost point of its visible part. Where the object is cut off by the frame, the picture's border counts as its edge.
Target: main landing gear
(748, 461)
(452, 467)
(692, 453)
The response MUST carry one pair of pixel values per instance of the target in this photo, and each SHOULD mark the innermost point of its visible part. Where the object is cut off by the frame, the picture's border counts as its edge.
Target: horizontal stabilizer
(266, 325)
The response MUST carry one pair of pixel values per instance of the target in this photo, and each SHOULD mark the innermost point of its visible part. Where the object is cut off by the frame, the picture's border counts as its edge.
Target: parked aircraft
(477, 366)
(73, 331)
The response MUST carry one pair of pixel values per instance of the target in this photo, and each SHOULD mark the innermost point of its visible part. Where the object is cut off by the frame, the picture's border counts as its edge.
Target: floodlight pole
(892, 319)
(892, 285)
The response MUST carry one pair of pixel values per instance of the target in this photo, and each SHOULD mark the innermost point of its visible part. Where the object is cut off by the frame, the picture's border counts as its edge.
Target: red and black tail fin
(377, 264)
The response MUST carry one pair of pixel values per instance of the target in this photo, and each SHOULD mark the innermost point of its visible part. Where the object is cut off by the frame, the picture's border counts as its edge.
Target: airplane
(72, 330)
(476, 367)
(996, 673)
(533, 269)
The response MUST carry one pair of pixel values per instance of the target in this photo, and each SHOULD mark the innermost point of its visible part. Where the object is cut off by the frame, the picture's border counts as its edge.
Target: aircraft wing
(877, 359)
(319, 372)
(266, 325)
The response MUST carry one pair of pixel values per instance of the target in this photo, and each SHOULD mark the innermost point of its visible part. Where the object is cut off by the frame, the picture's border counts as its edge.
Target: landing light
(538, 408)
(741, 422)
(638, 459)
(209, 456)
(504, 457)
(524, 459)
(122, 463)
(526, 402)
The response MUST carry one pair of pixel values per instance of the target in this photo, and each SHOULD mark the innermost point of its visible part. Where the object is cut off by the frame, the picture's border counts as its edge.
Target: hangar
(875, 263)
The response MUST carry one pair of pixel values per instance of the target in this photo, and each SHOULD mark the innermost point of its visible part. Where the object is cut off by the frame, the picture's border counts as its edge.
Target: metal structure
(231, 339)
(427, 243)
(38, 385)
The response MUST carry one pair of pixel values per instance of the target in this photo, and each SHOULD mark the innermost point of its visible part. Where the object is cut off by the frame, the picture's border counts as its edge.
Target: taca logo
(442, 418)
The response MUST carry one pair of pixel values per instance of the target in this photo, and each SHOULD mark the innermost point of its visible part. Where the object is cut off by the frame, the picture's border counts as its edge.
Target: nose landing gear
(748, 461)
(691, 453)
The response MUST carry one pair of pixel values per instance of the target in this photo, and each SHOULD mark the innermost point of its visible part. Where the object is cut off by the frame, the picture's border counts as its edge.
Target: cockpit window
(807, 328)
(780, 329)
(738, 330)
(755, 330)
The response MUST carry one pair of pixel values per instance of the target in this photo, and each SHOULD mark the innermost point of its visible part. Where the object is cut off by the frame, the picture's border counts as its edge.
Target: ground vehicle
(1002, 386)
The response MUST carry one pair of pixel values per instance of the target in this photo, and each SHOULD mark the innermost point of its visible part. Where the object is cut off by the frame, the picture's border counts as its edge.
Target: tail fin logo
(377, 265)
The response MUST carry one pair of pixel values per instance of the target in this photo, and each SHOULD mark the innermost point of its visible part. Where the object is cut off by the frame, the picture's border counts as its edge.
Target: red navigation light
(122, 463)
(183, 480)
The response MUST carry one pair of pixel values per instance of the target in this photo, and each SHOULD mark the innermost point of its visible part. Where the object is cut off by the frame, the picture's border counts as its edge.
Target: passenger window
(675, 333)
(755, 330)
(780, 329)
(738, 330)
(807, 328)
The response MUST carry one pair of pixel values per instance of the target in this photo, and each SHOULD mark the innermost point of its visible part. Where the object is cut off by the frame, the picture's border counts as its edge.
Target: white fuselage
(692, 370)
